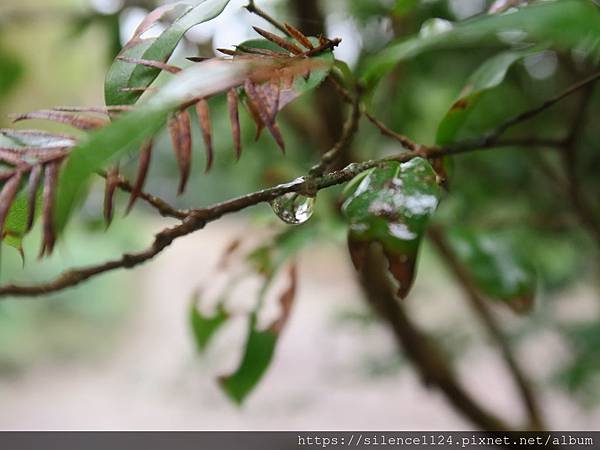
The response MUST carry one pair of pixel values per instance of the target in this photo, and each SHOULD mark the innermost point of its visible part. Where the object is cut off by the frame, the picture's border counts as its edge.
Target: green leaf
(488, 76)
(391, 204)
(497, 267)
(131, 130)
(566, 24)
(126, 75)
(204, 327)
(260, 347)
(12, 71)
(260, 344)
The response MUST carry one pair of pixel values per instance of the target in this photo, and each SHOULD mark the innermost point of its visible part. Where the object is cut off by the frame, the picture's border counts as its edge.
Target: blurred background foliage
(56, 52)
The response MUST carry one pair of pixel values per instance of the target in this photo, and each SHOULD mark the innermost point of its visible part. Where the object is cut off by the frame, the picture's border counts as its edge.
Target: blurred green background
(55, 53)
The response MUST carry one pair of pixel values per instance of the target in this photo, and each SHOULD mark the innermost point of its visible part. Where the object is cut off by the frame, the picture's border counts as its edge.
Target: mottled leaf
(391, 205)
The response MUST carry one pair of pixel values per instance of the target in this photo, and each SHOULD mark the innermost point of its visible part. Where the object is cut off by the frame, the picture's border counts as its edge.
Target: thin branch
(196, 219)
(348, 132)
(163, 208)
(526, 115)
(431, 363)
(569, 156)
(252, 8)
(479, 305)
(386, 131)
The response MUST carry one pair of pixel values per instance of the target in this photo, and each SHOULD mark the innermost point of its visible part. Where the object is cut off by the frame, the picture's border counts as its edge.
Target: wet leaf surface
(391, 205)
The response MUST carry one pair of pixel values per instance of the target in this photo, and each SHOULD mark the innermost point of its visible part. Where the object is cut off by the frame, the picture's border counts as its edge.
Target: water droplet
(293, 208)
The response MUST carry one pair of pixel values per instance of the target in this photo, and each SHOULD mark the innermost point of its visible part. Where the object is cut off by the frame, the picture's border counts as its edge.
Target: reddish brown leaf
(230, 250)
(260, 126)
(109, 110)
(286, 45)
(286, 301)
(75, 120)
(228, 52)
(149, 21)
(234, 117)
(143, 166)
(358, 252)
(112, 182)
(33, 185)
(151, 63)
(10, 156)
(198, 58)
(7, 196)
(205, 127)
(261, 52)
(263, 112)
(299, 36)
(48, 197)
(26, 135)
(181, 136)
(402, 267)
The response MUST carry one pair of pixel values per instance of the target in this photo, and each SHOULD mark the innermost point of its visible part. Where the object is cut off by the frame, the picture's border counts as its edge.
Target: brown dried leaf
(33, 185)
(234, 117)
(149, 21)
(143, 167)
(263, 112)
(198, 58)
(286, 301)
(151, 63)
(281, 42)
(402, 267)
(10, 156)
(75, 120)
(205, 127)
(44, 136)
(112, 182)
(181, 136)
(228, 52)
(7, 196)
(261, 52)
(50, 184)
(299, 36)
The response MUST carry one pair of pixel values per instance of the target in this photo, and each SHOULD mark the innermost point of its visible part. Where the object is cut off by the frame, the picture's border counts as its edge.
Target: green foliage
(565, 24)
(489, 75)
(130, 131)
(496, 266)
(11, 73)
(205, 327)
(124, 74)
(258, 353)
